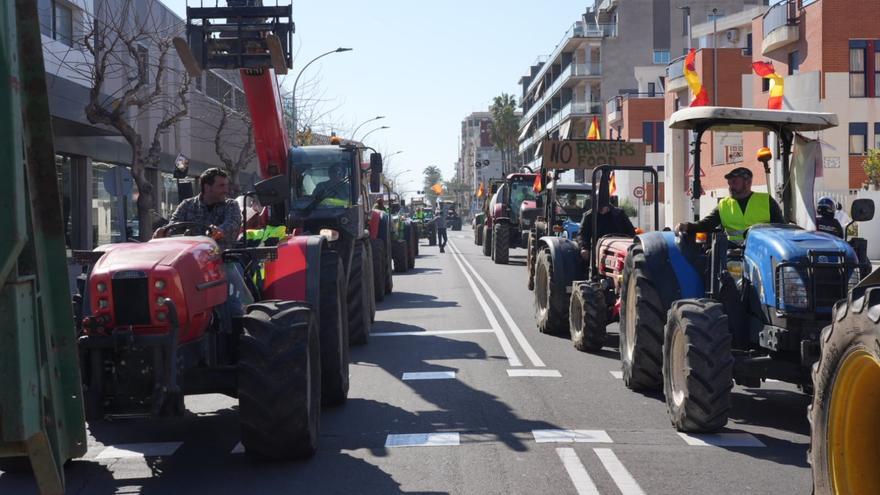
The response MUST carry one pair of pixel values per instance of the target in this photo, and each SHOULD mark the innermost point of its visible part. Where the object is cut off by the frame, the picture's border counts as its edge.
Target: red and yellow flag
(437, 188)
(538, 185)
(594, 134)
(481, 190)
(612, 185)
(701, 96)
(777, 84)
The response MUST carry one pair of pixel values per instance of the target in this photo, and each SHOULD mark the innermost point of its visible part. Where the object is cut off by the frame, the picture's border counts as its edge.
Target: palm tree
(504, 130)
(433, 175)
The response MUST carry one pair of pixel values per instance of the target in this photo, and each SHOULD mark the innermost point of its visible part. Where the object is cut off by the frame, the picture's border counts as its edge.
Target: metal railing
(587, 107)
(588, 69)
(675, 69)
(782, 14)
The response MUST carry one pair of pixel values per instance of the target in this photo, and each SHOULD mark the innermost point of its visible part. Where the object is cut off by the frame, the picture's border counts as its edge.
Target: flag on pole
(538, 185)
(701, 96)
(481, 190)
(777, 85)
(612, 185)
(437, 188)
(594, 133)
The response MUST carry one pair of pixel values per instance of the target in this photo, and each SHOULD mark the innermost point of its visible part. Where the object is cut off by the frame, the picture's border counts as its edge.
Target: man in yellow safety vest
(742, 209)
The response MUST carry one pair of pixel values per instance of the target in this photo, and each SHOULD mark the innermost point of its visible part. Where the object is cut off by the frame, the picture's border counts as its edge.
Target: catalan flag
(777, 85)
(594, 134)
(701, 96)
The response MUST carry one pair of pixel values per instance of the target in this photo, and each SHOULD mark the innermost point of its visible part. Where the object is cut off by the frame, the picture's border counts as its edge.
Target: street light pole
(374, 130)
(296, 81)
(715, 57)
(377, 117)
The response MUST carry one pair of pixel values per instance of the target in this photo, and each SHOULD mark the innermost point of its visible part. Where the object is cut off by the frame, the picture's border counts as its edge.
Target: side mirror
(862, 210)
(271, 191)
(375, 172)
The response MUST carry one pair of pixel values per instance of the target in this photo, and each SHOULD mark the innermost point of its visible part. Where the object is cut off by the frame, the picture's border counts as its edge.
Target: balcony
(613, 108)
(585, 70)
(675, 79)
(780, 26)
(569, 110)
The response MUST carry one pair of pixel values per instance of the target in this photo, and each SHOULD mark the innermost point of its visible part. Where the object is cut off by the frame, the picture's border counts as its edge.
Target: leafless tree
(234, 160)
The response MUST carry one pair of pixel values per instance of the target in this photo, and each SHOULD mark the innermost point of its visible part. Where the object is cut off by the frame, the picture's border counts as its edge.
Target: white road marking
(569, 436)
(429, 375)
(517, 333)
(512, 358)
(238, 449)
(545, 373)
(422, 440)
(617, 374)
(577, 472)
(129, 450)
(431, 332)
(721, 440)
(624, 481)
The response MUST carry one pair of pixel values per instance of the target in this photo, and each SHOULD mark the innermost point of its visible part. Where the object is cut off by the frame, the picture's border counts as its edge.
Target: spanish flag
(481, 190)
(612, 185)
(538, 185)
(701, 96)
(437, 188)
(777, 85)
(594, 134)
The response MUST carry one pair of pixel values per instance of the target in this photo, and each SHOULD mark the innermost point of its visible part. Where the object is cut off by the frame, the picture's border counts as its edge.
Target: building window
(858, 138)
(748, 49)
(652, 135)
(877, 135)
(661, 56)
(143, 55)
(794, 63)
(857, 81)
(56, 21)
(652, 89)
(765, 84)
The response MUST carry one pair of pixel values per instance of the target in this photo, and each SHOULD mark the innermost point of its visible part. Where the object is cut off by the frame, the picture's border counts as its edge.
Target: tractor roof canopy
(733, 119)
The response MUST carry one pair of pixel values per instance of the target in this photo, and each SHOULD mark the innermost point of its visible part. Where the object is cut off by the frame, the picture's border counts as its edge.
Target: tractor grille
(829, 285)
(131, 299)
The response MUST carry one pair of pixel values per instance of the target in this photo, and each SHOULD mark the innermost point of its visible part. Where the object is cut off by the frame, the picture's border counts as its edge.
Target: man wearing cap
(742, 209)
(611, 221)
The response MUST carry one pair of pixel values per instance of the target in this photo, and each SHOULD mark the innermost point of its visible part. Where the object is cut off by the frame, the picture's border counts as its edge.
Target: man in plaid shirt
(212, 208)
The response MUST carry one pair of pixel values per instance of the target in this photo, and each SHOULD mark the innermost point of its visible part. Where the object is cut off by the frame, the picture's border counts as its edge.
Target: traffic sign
(639, 192)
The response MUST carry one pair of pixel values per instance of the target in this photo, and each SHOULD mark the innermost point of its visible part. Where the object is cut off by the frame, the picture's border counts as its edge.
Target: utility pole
(715, 57)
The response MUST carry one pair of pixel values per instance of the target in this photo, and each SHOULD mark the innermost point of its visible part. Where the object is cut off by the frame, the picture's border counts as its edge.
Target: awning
(565, 129)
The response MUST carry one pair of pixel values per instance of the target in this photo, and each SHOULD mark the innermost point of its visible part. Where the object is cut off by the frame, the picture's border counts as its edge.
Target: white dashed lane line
(571, 436)
(721, 440)
(577, 472)
(542, 373)
(422, 440)
(624, 481)
(429, 375)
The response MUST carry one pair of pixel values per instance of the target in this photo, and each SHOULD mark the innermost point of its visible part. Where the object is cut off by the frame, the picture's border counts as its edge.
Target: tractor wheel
(530, 261)
(551, 301)
(642, 317)
(501, 243)
(487, 241)
(432, 236)
(333, 330)
(478, 235)
(359, 297)
(398, 254)
(587, 316)
(379, 269)
(843, 416)
(413, 251)
(369, 281)
(279, 381)
(697, 365)
(386, 265)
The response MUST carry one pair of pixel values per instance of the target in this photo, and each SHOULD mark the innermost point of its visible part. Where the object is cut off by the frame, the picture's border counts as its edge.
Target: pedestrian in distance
(440, 223)
(825, 221)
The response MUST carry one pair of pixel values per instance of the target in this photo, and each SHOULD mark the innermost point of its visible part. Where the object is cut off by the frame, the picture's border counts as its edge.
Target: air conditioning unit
(732, 35)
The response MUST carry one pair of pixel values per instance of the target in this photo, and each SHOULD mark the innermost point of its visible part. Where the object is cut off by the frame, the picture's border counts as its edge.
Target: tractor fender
(375, 220)
(566, 256)
(287, 277)
(672, 274)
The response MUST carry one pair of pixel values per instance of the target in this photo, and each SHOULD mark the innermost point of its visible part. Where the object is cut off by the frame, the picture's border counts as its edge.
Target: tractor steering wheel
(185, 229)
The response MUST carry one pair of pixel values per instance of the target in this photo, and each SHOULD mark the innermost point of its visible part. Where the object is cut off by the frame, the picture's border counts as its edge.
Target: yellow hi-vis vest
(735, 221)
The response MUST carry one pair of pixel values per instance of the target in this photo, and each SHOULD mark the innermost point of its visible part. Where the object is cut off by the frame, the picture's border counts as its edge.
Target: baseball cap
(739, 172)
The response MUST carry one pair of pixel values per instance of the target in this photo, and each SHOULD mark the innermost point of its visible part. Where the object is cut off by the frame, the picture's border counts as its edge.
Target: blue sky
(425, 66)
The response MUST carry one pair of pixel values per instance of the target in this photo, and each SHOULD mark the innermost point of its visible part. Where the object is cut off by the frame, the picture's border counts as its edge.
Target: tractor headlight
(854, 278)
(792, 289)
(329, 234)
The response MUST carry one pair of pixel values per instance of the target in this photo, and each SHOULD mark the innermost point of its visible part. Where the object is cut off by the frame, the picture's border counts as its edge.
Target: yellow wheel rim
(853, 426)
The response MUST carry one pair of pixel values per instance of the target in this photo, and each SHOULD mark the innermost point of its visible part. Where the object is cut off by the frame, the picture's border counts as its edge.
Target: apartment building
(92, 159)
(828, 52)
(479, 160)
(617, 47)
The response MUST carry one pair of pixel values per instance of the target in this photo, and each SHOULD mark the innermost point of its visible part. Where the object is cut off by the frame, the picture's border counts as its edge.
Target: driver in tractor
(611, 221)
(211, 208)
(335, 188)
(742, 209)
(825, 221)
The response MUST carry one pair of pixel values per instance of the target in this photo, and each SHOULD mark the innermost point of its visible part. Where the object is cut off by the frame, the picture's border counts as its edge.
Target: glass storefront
(109, 209)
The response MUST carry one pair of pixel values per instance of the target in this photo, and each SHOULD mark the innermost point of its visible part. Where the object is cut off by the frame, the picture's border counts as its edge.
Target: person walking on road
(440, 223)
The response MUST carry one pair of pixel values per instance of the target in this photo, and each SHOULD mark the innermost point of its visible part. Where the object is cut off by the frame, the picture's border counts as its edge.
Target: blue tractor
(700, 311)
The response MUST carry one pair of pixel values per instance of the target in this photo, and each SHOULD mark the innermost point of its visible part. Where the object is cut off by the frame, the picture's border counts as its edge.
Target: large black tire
(415, 243)
(551, 301)
(359, 296)
(379, 274)
(478, 235)
(389, 277)
(333, 330)
(697, 365)
(587, 316)
(413, 250)
(279, 381)
(846, 379)
(501, 243)
(432, 235)
(487, 241)
(530, 260)
(369, 281)
(642, 319)
(398, 255)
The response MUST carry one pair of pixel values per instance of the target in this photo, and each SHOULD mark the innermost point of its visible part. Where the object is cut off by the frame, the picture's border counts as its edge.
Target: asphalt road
(504, 410)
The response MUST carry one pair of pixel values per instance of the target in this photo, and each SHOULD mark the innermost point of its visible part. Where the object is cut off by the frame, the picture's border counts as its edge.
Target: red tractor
(502, 229)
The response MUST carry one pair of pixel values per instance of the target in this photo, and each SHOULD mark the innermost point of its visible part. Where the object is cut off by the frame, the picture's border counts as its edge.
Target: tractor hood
(146, 256)
(793, 244)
